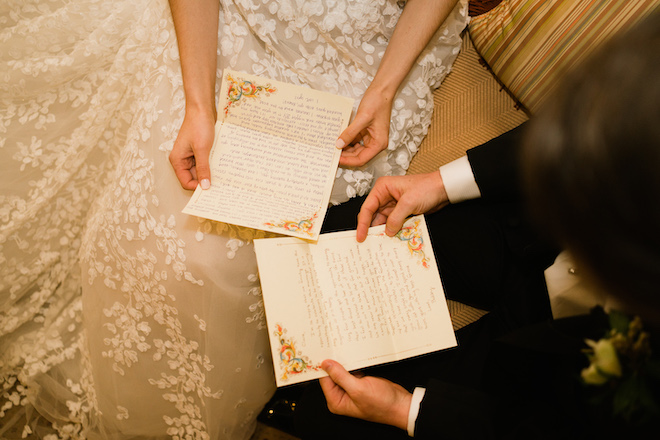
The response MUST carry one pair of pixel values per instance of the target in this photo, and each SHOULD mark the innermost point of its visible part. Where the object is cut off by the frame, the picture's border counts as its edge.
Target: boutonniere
(620, 365)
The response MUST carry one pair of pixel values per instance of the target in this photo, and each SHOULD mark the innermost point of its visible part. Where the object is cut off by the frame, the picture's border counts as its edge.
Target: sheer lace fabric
(120, 317)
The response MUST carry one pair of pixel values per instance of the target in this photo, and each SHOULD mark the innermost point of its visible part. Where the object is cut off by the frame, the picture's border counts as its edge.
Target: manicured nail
(206, 183)
(340, 143)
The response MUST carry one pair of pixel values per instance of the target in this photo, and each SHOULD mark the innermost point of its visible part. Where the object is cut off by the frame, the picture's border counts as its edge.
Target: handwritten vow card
(274, 158)
(361, 304)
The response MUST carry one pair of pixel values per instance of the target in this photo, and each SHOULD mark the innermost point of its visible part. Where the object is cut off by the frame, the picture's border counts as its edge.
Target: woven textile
(529, 44)
(470, 108)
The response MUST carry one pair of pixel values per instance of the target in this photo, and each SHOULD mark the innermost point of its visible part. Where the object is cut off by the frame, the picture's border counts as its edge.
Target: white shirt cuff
(417, 397)
(458, 178)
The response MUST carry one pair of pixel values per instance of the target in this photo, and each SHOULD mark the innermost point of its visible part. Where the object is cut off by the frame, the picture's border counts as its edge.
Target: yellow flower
(592, 376)
(604, 362)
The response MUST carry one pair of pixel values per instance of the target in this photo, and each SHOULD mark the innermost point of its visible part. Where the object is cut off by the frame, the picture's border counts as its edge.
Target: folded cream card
(361, 304)
(274, 158)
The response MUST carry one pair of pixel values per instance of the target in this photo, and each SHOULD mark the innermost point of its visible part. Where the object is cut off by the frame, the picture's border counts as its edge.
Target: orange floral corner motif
(241, 88)
(412, 236)
(291, 360)
(304, 226)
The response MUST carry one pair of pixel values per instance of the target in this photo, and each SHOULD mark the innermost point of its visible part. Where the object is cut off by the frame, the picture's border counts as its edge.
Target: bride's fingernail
(340, 143)
(206, 183)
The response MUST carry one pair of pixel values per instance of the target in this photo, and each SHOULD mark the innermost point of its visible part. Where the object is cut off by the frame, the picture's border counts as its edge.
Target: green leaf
(619, 321)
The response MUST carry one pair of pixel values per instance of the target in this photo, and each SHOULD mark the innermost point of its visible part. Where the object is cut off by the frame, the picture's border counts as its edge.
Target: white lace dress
(121, 317)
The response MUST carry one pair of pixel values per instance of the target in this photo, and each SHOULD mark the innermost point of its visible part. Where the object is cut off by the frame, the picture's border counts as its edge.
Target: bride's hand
(190, 154)
(368, 134)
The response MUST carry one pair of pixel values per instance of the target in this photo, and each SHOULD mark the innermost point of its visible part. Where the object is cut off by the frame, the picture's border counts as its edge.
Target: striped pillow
(528, 44)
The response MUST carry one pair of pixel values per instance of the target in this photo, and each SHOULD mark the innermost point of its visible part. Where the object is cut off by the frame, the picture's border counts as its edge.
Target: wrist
(201, 110)
(439, 188)
(200, 96)
(386, 88)
(403, 410)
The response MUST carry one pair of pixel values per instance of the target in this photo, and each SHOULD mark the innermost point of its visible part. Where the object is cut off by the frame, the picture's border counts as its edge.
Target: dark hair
(591, 164)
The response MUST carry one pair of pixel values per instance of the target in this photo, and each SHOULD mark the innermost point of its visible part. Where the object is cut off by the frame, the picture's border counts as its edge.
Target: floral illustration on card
(411, 234)
(291, 360)
(305, 225)
(241, 88)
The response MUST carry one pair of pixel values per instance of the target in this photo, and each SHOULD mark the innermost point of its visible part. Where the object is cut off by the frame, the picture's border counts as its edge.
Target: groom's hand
(394, 198)
(368, 398)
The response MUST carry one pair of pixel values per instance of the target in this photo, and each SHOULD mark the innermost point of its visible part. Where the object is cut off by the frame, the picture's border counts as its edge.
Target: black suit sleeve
(453, 412)
(495, 165)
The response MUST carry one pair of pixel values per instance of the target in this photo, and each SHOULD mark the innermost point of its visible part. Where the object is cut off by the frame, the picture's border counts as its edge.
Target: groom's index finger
(364, 221)
(366, 215)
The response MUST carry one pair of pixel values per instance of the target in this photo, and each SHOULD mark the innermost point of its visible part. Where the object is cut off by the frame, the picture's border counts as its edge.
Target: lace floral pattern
(109, 296)
(337, 46)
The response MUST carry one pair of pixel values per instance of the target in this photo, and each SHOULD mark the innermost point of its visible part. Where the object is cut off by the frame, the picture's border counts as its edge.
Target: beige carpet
(470, 109)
